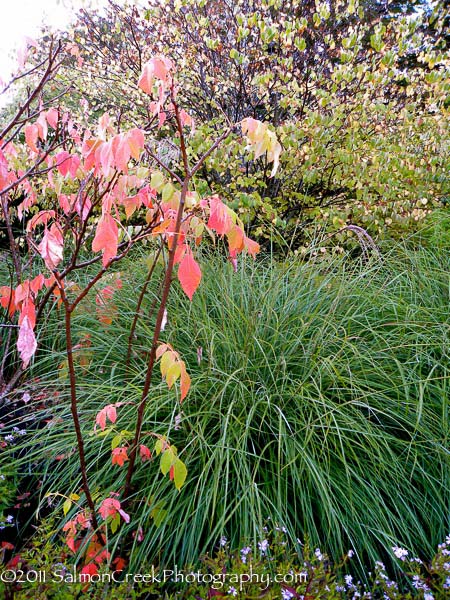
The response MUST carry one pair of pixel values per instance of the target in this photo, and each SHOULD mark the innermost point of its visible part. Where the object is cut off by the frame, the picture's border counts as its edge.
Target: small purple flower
(318, 553)
(223, 541)
(263, 546)
(348, 580)
(286, 594)
(244, 551)
(232, 591)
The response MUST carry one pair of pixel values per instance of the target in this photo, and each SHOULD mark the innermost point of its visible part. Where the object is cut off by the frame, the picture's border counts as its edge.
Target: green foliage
(357, 92)
(319, 397)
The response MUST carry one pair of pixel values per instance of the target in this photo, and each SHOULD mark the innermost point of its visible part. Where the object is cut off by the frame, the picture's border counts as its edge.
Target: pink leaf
(189, 274)
(109, 412)
(220, 219)
(106, 238)
(155, 68)
(31, 136)
(136, 140)
(26, 342)
(51, 247)
(52, 117)
(109, 507)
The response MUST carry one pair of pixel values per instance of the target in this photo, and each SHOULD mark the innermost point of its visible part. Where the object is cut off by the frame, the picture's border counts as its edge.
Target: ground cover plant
(171, 395)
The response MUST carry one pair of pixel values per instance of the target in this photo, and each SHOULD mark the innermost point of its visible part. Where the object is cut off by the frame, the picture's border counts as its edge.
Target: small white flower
(223, 541)
(350, 553)
(400, 553)
(263, 546)
(318, 553)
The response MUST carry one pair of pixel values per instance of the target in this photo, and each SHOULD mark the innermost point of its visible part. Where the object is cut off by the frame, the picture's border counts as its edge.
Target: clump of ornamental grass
(319, 396)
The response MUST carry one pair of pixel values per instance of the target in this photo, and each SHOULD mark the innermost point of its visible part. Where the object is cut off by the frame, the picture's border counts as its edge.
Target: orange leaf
(185, 382)
(251, 246)
(119, 456)
(235, 240)
(189, 274)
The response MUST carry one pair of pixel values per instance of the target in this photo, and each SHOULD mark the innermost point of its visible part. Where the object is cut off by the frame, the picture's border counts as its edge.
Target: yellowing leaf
(179, 473)
(167, 361)
(66, 506)
(173, 373)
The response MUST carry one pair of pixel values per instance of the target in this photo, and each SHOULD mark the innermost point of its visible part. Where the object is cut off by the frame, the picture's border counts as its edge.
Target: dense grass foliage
(320, 401)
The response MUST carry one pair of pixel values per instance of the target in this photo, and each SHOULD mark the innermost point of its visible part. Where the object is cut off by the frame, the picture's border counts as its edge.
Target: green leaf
(158, 447)
(158, 515)
(66, 506)
(179, 473)
(116, 441)
(166, 461)
(157, 181)
(167, 192)
(115, 522)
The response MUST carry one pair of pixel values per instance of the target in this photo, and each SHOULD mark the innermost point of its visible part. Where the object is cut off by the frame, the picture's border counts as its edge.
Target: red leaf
(7, 546)
(119, 563)
(90, 569)
(106, 238)
(144, 453)
(189, 274)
